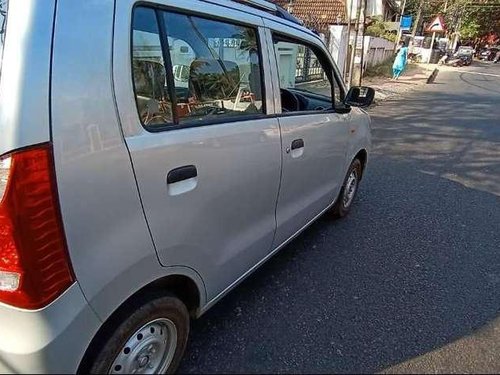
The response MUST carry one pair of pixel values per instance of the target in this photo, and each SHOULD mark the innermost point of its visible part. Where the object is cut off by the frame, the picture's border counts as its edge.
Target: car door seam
(271, 60)
(118, 117)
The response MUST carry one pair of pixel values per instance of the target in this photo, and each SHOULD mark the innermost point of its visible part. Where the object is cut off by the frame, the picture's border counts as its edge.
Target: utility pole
(458, 22)
(355, 43)
(445, 11)
(419, 16)
(400, 32)
(346, 66)
(457, 27)
(432, 47)
(361, 70)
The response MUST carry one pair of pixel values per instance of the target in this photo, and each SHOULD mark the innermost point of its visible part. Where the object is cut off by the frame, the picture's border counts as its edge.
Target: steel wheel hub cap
(149, 350)
(350, 189)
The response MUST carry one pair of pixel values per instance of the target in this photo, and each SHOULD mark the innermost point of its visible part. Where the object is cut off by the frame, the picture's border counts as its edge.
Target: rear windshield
(3, 27)
(466, 50)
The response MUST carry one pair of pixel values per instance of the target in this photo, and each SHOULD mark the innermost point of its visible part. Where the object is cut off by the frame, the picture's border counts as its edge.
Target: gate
(308, 67)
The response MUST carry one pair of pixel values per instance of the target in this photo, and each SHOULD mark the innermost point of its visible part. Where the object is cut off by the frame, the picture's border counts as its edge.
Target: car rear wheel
(150, 340)
(349, 190)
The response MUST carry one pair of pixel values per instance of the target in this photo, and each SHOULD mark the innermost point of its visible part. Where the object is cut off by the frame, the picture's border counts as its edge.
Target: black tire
(145, 312)
(342, 207)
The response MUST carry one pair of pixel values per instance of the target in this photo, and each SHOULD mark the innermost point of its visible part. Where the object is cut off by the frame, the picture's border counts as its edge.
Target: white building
(387, 9)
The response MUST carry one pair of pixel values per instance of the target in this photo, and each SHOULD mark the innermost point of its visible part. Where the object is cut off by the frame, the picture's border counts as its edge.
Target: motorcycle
(497, 58)
(415, 57)
(451, 61)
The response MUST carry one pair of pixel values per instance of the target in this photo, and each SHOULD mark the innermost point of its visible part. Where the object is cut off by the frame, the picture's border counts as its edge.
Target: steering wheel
(289, 101)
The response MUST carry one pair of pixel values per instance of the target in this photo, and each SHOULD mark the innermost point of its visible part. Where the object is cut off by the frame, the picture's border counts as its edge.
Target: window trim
(212, 121)
(131, 60)
(3, 35)
(332, 77)
(163, 34)
(167, 58)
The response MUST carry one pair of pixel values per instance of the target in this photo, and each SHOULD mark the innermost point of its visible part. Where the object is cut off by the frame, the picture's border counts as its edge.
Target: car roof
(247, 7)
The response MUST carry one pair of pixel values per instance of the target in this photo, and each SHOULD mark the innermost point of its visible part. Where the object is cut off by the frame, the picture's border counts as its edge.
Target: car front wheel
(349, 189)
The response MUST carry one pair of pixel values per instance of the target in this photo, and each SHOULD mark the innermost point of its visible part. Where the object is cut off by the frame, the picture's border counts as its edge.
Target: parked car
(488, 54)
(153, 157)
(465, 53)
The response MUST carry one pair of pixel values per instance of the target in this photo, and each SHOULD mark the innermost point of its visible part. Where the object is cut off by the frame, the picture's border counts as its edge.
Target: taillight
(34, 263)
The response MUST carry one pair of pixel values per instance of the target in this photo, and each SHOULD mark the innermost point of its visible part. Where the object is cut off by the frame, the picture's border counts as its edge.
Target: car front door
(314, 134)
(205, 153)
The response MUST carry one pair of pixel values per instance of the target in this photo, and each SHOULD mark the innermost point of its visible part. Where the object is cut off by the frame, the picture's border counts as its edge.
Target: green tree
(376, 27)
(472, 18)
(470, 29)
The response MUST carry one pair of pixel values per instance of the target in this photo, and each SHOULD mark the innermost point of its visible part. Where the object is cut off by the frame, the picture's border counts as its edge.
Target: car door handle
(298, 143)
(181, 174)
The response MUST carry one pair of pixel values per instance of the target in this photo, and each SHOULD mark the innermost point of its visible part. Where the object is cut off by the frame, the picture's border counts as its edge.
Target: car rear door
(314, 134)
(206, 154)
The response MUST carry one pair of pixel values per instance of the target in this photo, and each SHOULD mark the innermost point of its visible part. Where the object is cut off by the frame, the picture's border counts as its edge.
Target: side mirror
(360, 96)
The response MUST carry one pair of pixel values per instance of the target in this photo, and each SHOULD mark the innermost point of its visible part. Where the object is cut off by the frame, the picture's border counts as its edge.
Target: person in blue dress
(400, 62)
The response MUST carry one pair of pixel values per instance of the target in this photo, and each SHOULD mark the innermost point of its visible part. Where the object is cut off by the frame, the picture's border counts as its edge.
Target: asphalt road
(410, 281)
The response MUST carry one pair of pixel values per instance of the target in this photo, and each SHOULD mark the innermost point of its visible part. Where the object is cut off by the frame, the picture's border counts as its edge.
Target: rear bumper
(51, 340)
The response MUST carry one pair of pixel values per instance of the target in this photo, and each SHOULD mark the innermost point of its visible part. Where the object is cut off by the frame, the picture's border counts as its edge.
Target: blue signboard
(406, 23)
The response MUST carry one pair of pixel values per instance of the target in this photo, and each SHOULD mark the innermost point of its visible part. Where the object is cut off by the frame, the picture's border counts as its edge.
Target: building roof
(316, 13)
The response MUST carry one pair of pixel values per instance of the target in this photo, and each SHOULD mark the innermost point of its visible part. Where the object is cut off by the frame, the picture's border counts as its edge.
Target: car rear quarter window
(152, 93)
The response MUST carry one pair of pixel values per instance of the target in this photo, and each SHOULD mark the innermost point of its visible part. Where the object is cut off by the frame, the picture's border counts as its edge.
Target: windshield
(3, 25)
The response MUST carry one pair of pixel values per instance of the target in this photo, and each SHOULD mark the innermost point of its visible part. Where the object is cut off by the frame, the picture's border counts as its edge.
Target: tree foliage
(378, 28)
(470, 29)
(471, 18)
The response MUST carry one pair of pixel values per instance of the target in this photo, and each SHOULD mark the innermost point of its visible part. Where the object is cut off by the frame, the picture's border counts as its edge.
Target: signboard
(406, 22)
(224, 42)
(437, 26)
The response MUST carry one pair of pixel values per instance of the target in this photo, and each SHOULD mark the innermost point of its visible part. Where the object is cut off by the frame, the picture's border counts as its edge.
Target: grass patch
(385, 69)
(380, 70)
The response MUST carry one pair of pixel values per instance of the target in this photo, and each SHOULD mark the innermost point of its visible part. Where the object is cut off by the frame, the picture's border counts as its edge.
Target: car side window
(305, 76)
(215, 71)
(152, 93)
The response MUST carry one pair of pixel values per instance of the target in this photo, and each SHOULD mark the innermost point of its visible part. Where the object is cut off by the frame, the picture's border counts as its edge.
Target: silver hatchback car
(153, 155)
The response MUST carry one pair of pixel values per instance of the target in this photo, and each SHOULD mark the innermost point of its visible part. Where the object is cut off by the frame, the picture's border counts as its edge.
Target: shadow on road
(402, 276)
(482, 87)
(452, 140)
(414, 268)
